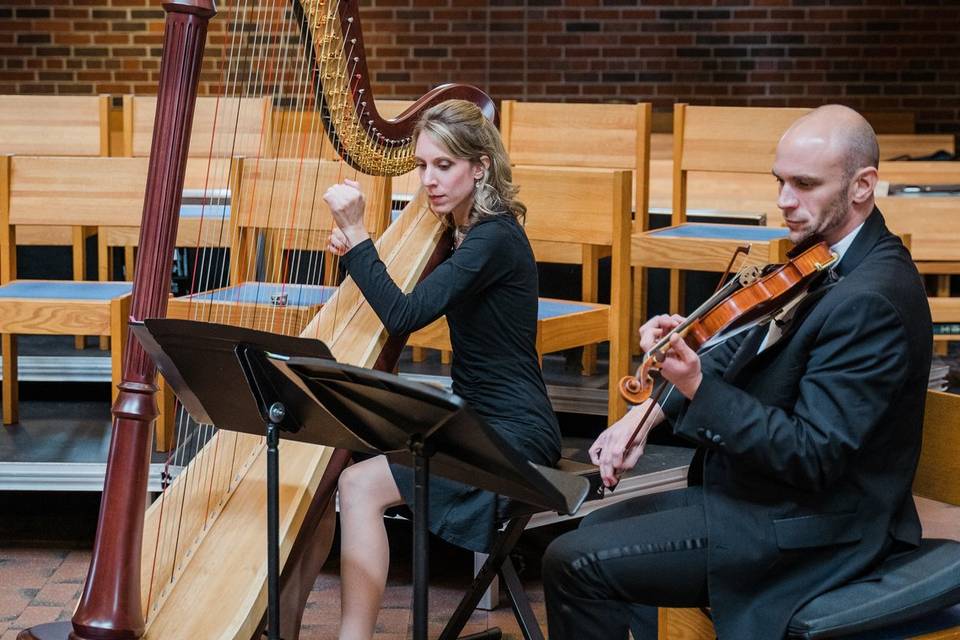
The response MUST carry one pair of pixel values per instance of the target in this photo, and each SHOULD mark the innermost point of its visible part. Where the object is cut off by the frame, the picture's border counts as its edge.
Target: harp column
(110, 607)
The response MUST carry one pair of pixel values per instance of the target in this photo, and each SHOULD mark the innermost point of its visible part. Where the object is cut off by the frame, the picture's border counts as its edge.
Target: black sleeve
(481, 259)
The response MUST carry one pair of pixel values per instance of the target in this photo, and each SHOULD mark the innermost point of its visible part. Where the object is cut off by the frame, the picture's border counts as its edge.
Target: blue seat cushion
(297, 295)
(65, 290)
(723, 232)
(907, 587)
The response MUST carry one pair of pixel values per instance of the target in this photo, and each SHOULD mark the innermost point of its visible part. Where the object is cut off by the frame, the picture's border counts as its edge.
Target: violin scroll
(634, 390)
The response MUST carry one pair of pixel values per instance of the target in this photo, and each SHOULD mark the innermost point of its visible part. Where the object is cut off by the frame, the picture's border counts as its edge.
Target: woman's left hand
(337, 243)
(346, 204)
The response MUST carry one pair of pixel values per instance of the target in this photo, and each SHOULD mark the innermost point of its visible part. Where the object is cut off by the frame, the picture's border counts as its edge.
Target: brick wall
(876, 55)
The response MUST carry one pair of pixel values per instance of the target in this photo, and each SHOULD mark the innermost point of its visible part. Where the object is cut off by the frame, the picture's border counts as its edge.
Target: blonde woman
(487, 289)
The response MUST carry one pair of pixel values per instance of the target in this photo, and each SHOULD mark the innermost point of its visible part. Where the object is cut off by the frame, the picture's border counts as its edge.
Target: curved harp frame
(364, 139)
(114, 605)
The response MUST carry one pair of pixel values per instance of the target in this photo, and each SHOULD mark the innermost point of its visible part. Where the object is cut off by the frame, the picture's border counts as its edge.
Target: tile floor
(42, 584)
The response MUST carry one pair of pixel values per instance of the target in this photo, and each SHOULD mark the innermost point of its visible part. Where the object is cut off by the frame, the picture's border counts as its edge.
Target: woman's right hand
(347, 205)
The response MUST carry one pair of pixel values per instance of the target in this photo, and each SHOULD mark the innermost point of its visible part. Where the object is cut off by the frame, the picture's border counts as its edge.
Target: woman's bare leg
(367, 489)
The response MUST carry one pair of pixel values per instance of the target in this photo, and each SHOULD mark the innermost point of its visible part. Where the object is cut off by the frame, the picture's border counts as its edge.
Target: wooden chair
(576, 206)
(887, 608)
(73, 191)
(56, 126)
(713, 145)
(614, 136)
(223, 128)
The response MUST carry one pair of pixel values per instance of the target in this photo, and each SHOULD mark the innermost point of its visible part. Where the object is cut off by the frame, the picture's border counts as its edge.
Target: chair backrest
(930, 220)
(722, 157)
(914, 144)
(222, 127)
(82, 192)
(55, 125)
(724, 141)
(938, 473)
(615, 136)
(282, 200)
(575, 205)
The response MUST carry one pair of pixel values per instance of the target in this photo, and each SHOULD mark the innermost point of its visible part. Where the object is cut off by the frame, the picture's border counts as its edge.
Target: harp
(129, 593)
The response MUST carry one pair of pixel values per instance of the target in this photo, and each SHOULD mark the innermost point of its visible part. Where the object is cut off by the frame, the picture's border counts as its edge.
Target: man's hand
(682, 367)
(680, 364)
(609, 451)
(656, 327)
(346, 204)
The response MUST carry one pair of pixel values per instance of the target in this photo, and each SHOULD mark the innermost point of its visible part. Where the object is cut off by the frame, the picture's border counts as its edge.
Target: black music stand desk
(261, 383)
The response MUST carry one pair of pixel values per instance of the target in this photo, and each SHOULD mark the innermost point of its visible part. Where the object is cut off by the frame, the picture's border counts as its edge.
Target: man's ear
(863, 184)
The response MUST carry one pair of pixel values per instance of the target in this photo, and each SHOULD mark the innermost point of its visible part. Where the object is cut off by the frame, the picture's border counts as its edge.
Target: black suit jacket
(808, 449)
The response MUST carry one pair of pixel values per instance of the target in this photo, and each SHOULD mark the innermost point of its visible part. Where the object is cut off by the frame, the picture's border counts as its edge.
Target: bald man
(807, 431)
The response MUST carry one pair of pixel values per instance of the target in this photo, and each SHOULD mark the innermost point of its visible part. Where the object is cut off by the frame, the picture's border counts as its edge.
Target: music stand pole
(275, 415)
(421, 550)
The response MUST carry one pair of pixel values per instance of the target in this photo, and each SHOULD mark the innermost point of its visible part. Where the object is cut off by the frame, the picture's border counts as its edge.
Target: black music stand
(256, 382)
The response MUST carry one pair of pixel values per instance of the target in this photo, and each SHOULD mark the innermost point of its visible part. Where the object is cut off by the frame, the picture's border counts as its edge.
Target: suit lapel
(746, 352)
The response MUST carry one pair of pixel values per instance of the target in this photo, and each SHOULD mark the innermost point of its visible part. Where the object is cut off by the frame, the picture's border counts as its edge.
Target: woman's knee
(369, 483)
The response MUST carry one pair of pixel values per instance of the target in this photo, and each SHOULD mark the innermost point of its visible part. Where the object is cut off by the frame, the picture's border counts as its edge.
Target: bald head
(840, 133)
(826, 165)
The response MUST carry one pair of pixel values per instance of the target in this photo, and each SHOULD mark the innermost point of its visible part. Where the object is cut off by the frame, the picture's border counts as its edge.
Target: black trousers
(622, 562)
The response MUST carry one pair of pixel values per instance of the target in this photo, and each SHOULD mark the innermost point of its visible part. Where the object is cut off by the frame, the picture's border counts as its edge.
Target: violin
(753, 296)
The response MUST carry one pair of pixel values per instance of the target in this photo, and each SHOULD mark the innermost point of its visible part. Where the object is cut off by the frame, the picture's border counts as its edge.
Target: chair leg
(589, 289)
(104, 272)
(11, 395)
(164, 427)
(419, 354)
(677, 290)
(685, 624)
(502, 547)
(119, 316)
(79, 270)
(519, 601)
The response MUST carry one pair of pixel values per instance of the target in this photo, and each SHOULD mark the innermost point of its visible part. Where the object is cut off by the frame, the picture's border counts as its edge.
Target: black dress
(488, 289)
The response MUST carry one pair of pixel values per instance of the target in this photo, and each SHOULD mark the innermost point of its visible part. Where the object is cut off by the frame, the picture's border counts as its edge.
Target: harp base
(49, 631)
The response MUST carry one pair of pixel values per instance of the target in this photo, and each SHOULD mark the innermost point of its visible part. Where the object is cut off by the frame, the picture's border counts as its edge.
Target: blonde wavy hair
(460, 126)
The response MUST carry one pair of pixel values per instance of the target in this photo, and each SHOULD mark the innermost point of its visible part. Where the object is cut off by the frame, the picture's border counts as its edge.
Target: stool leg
(11, 413)
(502, 547)
(519, 601)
